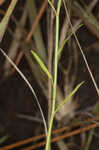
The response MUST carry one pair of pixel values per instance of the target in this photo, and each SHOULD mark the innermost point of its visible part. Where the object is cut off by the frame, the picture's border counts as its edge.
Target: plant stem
(89, 140)
(55, 77)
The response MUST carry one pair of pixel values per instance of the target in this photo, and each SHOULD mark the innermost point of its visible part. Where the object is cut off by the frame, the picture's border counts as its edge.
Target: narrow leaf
(42, 65)
(90, 137)
(67, 38)
(68, 97)
(6, 18)
(53, 8)
(3, 139)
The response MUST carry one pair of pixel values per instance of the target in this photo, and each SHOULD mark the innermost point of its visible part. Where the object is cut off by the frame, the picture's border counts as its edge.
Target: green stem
(89, 140)
(55, 77)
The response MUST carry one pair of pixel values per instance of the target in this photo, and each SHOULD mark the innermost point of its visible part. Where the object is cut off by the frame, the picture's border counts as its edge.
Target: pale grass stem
(86, 62)
(29, 85)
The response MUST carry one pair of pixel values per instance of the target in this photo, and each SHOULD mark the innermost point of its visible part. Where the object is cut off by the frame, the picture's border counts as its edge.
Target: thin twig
(66, 135)
(42, 9)
(56, 131)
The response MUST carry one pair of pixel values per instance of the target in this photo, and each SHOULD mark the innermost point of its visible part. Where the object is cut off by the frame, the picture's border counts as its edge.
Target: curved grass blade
(69, 96)
(42, 65)
(67, 38)
(29, 85)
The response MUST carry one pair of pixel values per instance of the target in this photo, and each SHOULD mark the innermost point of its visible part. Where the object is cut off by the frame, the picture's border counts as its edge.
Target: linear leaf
(67, 38)
(3, 139)
(69, 96)
(40, 62)
(4, 22)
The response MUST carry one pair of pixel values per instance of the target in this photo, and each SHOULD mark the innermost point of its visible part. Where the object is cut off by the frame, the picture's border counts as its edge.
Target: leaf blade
(69, 96)
(67, 38)
(3, 139)
(40, 62)
(5, 20)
